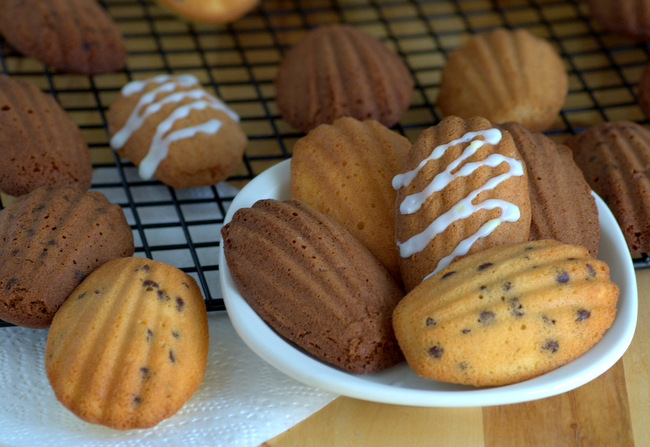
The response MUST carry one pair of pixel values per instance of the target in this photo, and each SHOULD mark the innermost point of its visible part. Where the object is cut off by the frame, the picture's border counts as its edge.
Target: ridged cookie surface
(39, 144)
(175, 131)
(73, 36)
(506, 314)
(337, 70)
(562, 206)
(345, 171)
(630, 18)
(614, 158)
(504, 76)
(314, 283)
(130, 345)
(464, 189)
(52, 238)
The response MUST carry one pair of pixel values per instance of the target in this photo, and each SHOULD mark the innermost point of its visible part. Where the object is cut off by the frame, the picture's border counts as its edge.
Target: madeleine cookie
(614, 158)
(506, 314)
(345, 171)
(51, 239)
(213, 11)
(337, 70)
(73, 36)
(39, 144)
(505, 76)
(130, 345)
(464, 189)
(314, 283)
(175, 131)
(630, 18)
(562, 207)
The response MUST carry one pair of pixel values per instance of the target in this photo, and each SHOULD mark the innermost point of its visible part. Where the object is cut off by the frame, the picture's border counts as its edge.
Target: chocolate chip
(591, 270)
(10, 283)
(149, 335)
(81, 295)
(171, 356)
(466, 331)
(507, 286)
(137, 400)
(583, 314)
(436, 351)
(486, 317)
(483, 287)
(462, 366)
(179, 303)
(430, 322)
(186, 286)
(448, 274)
(551, 345)
(547, 320)
(562, 277)
(149, 283)
(144, 373)
(484, 266)
(175, 334)
(516, 308)
(145, 267)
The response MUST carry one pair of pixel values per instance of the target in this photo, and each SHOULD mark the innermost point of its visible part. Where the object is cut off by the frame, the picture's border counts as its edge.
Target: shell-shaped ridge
(614, 158)
(504, 76)
(337, 70)
(52, 239)
(314, 283)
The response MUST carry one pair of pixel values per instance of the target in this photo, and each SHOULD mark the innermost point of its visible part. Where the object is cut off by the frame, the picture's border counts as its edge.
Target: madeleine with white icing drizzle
(176, 131)
(464, 189)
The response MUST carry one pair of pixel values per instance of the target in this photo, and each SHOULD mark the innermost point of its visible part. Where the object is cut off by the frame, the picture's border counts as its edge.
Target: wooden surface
(612, 410)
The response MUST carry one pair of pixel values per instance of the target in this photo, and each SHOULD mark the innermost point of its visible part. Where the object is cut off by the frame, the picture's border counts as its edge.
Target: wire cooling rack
(238, 62)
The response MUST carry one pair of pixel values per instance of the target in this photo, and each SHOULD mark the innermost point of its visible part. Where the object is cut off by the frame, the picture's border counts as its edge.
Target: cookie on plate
(176, 131)
(614, 158)
(506, 314)
(73, 36)
(504, 76)
(562, 207)
(52, 238)
(39, 144)
(130, 344)
(464, 189)
(337, 70)
(314, 283)
(345, 171)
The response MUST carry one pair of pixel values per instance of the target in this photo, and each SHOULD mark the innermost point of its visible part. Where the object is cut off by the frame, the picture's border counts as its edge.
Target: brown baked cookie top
(39, 144)
(74, 36)
(50, 239)
(615, 160)
(562, 207)
(337, 70)
(630, 18)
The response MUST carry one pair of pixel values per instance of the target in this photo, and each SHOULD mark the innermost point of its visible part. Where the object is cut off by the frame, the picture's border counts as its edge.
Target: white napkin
(242, 401)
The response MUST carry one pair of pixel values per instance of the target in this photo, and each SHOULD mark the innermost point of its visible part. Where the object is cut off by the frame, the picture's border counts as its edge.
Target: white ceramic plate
(399, 384)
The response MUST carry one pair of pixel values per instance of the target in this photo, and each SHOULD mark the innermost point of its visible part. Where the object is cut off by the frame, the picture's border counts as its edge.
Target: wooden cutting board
(611, 411)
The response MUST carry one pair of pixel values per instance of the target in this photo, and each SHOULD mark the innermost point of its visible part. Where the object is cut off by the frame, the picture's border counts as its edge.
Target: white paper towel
(242, 401)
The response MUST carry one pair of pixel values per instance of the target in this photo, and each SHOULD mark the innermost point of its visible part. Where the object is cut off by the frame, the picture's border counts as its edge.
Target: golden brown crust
(314, 283)
(337, 70)
(504, 76)
(52, 239)
(74, 36)
(345, 170)
(562, 206)
(130, 345)
(506, 314)
(203, 158)
(40, 144)
(452, 198)
(213, 11)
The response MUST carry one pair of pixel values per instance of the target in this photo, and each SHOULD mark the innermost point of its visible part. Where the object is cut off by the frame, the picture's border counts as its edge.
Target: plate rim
(270, 184)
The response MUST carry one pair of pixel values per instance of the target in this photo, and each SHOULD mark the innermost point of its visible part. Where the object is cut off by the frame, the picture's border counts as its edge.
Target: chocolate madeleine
(314, 283)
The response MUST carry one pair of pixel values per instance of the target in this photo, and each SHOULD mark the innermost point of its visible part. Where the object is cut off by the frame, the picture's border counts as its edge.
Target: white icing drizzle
(147, 105)
(464, 208)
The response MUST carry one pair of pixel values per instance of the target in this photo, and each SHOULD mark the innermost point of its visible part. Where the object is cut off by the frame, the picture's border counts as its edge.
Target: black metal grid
(239, 63)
